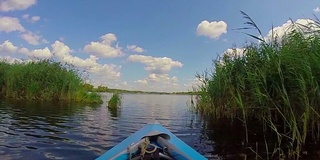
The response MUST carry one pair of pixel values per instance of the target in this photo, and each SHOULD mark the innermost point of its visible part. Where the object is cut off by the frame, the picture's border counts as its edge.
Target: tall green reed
(43, 80)
(115, 101)
(275, 82)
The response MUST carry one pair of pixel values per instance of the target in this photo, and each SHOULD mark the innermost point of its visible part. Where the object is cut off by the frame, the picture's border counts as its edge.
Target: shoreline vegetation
(91, 88)
(43, 80)
(46, 80)
(273, 89)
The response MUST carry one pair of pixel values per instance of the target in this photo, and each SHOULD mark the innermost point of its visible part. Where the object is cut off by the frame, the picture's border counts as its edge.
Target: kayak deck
(163, 140)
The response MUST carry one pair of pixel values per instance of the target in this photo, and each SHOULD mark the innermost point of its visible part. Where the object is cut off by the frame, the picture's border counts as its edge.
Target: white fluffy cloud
(142, 81)
(193, 84)
(161, 78)
(62, 51)
(100, 72)
(287, 27)
(211, 29)
(230, 54)
(10, 60)
(158, 65)
(105, 72)
(158, 79)
(32, 19)
(31, 38)
(11, 5)
(135, 48)
(37, 53)
(279, 32)
(79, 62)
(234, 52)
(104, 48)
(10, 24)
(7, 47)
(158, 82)
(35, 19)
(316, 9)
(59, 49)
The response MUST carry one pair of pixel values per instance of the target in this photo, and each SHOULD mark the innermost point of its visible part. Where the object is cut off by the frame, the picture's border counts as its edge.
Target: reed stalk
(275, 82)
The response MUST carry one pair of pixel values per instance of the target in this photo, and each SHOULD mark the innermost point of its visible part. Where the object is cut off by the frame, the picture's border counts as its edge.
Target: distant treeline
(43, 80)
(91, 88)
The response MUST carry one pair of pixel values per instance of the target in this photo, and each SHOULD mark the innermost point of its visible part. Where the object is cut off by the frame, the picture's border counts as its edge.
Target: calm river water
(70, 131)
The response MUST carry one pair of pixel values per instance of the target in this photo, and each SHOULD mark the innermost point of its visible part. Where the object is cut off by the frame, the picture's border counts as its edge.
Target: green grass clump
(275, 82)
(43, 80)
(88, 97)
(115, 101)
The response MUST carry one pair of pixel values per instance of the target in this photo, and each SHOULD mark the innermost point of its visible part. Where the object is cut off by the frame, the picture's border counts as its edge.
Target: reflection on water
(114, 112)
(73, 131)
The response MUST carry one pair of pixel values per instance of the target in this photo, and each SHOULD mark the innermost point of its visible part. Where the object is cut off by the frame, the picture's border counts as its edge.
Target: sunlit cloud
(212, 30)
(104, 48)
(7, 47)
(288, 27)
(37, 53)
(32, 19)
(158, 65)
(135, 48)
(12, 5)
(10, 24)
(31, 38)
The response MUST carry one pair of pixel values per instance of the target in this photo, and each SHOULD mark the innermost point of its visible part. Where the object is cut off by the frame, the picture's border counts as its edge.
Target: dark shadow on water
(229, 140)
(33, 113)
(227, 136)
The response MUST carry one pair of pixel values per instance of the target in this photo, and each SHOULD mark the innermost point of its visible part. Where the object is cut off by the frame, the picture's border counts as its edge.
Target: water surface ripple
(72, 131)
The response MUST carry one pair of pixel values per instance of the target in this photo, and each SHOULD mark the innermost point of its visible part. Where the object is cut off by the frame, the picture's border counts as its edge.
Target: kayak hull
(184, 151)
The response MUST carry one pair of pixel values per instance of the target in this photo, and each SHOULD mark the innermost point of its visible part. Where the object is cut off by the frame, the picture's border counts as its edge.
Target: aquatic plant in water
(115, 101)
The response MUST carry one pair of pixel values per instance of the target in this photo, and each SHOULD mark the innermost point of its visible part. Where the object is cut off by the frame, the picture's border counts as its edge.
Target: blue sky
(141, 44)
